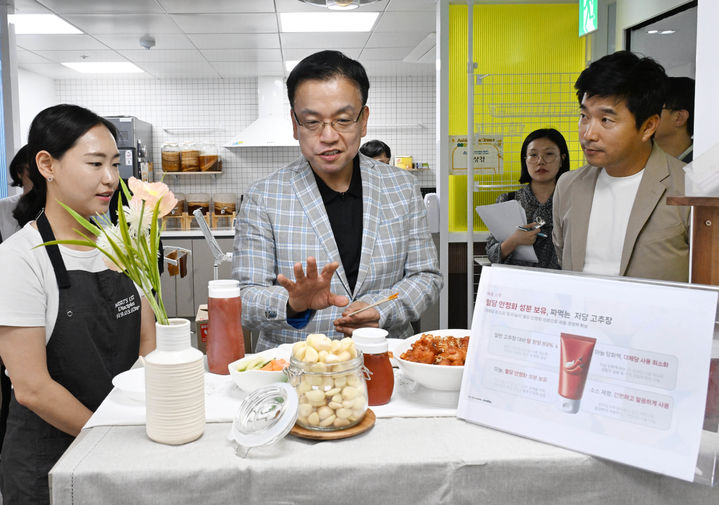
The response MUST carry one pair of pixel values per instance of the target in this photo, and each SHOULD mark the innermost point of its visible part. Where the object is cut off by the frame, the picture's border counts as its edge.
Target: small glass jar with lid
(331, 396)
(209, 158)
(170, 157)
(190, 157)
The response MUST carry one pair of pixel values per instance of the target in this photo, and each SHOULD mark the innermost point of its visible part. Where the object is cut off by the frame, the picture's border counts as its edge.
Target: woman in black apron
(59, 382)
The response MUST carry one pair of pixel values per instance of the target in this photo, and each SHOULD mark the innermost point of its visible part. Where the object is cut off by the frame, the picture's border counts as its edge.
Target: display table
(400, 460)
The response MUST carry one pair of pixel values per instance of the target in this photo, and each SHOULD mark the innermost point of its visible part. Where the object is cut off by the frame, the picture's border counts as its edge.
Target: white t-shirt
(29, 296)
(611, 208)
(8, 224)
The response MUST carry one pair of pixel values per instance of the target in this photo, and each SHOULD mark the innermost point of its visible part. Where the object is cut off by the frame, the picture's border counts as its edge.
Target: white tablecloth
(399, 461)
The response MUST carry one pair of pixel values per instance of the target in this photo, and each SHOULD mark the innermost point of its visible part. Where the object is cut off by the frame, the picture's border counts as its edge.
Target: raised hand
(311, 290)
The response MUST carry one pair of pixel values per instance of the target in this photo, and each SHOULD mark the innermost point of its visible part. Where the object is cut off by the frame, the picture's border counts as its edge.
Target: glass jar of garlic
(330, 383)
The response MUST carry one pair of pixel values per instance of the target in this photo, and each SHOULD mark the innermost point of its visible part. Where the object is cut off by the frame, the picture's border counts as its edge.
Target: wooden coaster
(364, 425)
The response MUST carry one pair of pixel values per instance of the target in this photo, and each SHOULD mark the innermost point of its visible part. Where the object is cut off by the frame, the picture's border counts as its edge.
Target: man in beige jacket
(611, 216)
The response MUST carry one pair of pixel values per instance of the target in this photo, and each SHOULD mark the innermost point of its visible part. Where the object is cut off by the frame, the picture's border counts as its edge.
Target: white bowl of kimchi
(434, 359)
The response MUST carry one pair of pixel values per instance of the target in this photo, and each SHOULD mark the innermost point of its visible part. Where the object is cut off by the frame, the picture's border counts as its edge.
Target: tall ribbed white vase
(174, 386)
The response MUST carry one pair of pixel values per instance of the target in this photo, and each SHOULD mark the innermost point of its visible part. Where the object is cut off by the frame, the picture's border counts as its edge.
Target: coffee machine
(134, 141)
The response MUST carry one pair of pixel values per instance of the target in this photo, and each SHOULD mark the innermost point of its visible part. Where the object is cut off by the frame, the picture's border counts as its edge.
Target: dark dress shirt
(344, 211)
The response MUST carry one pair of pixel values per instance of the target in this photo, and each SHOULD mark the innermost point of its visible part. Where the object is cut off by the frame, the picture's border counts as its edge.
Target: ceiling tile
(407, 21)
(242, 54)
(235, 40)
(394, 39)
(231, 6)
(123, 24)
(101, 6)
(24, 56)
(57, 42)
(189, 56)
(226, 23)
(412, 5)
(334, 40)
(162, 41)
(387, 53)
(29, 7)
(89, 55)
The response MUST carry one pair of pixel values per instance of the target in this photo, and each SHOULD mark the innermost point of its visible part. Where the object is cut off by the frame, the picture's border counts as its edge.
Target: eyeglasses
(339, 125)
(547, 157)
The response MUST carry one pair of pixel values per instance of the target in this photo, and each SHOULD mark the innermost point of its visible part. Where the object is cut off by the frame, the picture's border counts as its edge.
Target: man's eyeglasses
(547, 157)
(339, 125)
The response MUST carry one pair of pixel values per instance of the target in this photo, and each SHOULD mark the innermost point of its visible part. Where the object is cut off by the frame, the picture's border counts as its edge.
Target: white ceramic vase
(174, 386)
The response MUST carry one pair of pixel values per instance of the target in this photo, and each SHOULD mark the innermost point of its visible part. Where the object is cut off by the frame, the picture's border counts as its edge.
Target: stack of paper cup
(174, 386)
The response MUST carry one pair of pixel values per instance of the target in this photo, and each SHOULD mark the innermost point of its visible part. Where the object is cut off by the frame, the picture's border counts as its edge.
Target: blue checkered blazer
(282, 220)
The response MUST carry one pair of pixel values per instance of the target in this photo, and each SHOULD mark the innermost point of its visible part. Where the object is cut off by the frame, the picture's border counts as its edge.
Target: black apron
(96, 336)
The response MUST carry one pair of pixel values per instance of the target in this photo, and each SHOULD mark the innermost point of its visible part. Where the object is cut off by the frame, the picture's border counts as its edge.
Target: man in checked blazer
(333, 231)
(611, 216)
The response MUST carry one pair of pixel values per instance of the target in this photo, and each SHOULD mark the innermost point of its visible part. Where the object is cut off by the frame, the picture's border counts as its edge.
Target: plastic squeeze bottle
(225, 342)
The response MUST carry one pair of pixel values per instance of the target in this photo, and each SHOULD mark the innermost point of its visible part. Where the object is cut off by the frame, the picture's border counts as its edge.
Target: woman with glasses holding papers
(544, 158)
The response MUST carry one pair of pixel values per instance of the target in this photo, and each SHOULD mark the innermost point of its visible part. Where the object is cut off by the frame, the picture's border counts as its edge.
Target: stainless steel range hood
(273, 127)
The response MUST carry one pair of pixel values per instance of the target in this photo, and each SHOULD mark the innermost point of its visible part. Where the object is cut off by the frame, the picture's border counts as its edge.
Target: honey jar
(170, 158)
(225, 203)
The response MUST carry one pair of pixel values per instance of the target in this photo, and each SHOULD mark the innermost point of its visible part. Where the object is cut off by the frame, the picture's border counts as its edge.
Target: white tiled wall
(402, 114)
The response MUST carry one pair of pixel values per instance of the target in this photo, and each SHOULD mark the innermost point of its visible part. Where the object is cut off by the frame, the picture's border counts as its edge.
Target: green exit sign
(588, 17)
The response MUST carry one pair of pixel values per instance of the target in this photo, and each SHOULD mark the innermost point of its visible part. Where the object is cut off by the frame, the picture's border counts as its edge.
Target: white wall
(36, 92)
(705, 132)
(183, 106)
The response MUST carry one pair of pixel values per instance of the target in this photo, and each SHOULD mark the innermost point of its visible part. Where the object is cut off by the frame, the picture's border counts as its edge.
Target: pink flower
(151, 193)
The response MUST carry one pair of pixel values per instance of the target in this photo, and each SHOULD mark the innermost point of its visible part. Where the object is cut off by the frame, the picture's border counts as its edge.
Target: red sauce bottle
(373, 344)
(225, 342)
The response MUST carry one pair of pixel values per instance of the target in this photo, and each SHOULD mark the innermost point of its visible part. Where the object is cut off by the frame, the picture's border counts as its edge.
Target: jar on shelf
(331, 396)
(225, 203)
(198, 201)
(209, 158)
(190, 158)
(170, 157)
(179, 207)
(225, 206)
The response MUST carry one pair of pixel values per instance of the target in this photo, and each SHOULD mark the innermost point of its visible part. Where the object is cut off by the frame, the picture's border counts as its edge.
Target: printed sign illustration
(488, 154)
(616, 369)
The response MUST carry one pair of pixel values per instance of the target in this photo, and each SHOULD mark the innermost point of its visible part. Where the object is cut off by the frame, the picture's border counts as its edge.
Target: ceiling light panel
(327, 21)
(41, 24)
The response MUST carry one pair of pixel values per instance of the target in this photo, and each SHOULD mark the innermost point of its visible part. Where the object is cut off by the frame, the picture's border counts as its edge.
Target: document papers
(502, 220)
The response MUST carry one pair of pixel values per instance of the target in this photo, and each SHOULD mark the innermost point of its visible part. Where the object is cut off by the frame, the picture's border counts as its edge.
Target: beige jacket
(656, 245)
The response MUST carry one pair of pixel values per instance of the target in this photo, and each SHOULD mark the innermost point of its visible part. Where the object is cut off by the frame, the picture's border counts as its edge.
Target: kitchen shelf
(182, 130)
(184, 174)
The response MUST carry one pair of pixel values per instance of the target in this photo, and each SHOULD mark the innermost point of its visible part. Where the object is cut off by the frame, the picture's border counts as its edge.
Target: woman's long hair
(55, 130)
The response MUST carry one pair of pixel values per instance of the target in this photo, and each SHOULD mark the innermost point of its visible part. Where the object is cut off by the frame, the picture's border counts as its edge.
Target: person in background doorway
(378, 150)
(676, 127)
(20, 179)
(333, 231)
(544, 157)
(64, 328)
(611, 216)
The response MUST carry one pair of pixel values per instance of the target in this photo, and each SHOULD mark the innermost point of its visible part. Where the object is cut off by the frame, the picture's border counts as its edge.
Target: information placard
(616, 369)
